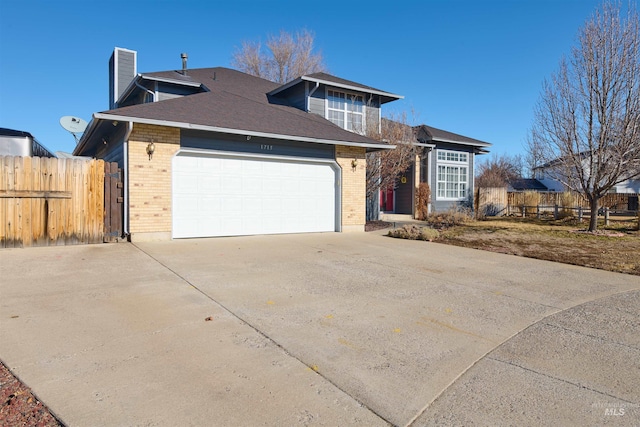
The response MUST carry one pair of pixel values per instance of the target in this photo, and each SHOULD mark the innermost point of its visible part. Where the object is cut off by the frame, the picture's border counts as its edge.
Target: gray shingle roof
(237, 101)
(429, 133)
(333, 81)
(338, 80)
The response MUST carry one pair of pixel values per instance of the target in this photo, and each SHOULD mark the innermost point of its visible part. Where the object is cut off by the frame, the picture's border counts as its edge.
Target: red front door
(386, 200)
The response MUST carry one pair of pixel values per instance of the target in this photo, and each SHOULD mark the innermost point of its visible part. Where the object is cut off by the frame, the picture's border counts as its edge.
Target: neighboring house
(446, 162)
(547, 174)
(21, 143)
(526, 184)
(216, 152)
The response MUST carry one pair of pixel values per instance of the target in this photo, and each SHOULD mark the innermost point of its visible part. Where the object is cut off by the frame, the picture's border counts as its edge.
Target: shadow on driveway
(330, 329)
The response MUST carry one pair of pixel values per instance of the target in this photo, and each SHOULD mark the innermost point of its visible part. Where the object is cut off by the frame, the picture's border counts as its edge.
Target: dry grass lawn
(613, 248)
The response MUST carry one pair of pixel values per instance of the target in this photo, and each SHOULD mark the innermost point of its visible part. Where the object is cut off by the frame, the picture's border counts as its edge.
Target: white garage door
(216, 195)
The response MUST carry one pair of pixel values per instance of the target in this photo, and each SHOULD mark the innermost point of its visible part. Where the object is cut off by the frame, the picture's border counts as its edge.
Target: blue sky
(467, 66)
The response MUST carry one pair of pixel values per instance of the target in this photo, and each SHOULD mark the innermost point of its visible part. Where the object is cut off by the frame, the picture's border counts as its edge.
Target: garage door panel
(209, 204)
(208, 184)
(225, 196)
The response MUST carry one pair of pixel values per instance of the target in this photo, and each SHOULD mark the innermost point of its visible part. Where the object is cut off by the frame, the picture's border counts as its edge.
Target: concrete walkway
(320, 329)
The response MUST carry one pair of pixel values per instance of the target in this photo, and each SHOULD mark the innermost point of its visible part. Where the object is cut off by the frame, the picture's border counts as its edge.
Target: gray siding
(294, 96)
(164, 96)
(443, 205)
(316, 102)
(135, 99)
(169, 91)
(265, 146)
(114, 150)
(122, 70)
(115, 154)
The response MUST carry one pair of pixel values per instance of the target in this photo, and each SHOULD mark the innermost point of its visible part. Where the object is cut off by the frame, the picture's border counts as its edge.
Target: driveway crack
(258, 331)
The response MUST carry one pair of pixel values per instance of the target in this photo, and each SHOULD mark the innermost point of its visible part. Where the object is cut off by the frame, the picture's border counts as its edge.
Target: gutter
(475, 144)
(182, 125)
(306, 98)
(153, 94)
(335, 84)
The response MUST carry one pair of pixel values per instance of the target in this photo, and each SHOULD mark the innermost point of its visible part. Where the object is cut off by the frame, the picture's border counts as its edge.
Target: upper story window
(452, 156)
(453, 177)
(346, 110)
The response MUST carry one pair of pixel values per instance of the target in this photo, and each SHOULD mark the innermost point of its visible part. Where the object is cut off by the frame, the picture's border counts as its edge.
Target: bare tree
(587, 121)
(533, 156)
(385, 167)
(282, 58)
(498, 171)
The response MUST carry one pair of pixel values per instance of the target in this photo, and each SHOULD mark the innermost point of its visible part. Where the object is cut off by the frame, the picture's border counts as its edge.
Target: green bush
(413, 232)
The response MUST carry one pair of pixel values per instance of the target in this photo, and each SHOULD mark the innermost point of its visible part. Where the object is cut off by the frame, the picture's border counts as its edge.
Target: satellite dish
(73, 125)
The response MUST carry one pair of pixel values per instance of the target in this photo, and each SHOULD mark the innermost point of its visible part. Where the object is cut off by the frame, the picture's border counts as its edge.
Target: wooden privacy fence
(491, 201)
(113, 199)
(497, 201)
(49, 201)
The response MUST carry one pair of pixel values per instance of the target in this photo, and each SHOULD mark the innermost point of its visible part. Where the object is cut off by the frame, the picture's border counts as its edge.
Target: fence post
(524, 212)
(538, 211)
(579, 213)
(555, 212)
(606, 216)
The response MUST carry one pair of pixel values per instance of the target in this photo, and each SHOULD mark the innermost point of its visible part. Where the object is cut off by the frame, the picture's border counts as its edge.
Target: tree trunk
(593, 218)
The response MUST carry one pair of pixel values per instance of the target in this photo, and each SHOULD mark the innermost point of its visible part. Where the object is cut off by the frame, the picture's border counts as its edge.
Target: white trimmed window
(453, 177)
(346, 110)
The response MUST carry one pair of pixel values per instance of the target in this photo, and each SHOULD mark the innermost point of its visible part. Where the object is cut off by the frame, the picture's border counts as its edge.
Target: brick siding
(150, 179)
(353, 187)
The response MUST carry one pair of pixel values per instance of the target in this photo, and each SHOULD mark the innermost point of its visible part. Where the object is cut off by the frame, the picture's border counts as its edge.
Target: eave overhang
(385, 96)
(99, 119)
(140, 77)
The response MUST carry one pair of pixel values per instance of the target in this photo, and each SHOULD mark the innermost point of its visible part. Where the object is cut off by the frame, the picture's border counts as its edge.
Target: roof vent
(184, 63)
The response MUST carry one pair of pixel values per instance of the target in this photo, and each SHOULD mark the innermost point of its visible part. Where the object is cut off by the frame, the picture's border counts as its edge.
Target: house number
(266, 147)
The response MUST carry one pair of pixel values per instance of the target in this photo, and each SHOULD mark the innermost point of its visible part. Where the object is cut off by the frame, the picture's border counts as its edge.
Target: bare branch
(587, 120)
(283, 58)
(384, 168)
(498, 171)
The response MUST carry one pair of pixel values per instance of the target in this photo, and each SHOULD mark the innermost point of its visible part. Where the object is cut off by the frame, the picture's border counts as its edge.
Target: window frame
(345, 111)
(452, 165)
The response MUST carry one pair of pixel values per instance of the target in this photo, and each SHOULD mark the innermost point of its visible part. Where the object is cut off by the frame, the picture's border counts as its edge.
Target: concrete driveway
(319, 329)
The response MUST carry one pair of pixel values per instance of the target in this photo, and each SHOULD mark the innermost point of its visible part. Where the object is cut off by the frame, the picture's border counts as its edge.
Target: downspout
(153, 94)
(311, 93)
(430, 168)
(126, 179)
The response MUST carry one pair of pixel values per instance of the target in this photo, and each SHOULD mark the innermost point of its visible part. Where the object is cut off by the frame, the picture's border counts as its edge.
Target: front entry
(386, 200)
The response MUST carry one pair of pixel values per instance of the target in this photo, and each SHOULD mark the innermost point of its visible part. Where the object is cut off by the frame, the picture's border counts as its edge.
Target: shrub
(491, 209)
(413, 232)
(423, 197)
(449, 218)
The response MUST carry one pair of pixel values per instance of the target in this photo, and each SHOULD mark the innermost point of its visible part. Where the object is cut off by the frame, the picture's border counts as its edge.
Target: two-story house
(446, 161)
(216, 152)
